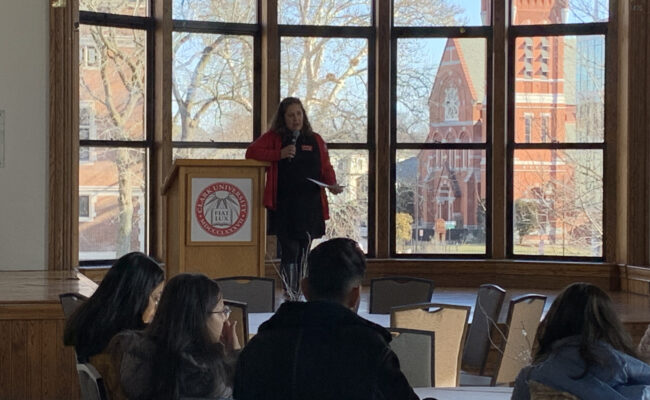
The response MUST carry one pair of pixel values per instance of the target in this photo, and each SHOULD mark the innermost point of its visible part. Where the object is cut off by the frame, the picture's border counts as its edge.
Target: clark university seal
(221, 209)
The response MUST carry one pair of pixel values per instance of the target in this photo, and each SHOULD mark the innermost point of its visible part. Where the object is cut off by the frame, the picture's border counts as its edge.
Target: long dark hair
(278, 124)
(117, 304)
(584, 310)
(180, 329)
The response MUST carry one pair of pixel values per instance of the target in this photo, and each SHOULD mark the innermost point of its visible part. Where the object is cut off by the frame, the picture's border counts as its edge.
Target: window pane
(115, 183)
(112, 83)
(212, 93)
(526, 12)
(349, 210)
(441, 12)
(441, 86)
(325, 12)
(125, 7)
(238, 11)
(558, 202)
(440, 201)
(211, 154)
(330, 75)
(560, 82)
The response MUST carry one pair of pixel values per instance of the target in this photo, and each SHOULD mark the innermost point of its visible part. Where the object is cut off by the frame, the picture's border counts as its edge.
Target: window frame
(234, 29)
(350, 32)
(148, 25)
(445, 32)
(547, 31)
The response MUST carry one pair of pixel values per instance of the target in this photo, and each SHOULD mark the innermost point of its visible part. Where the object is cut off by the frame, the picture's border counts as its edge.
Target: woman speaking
(297, 205)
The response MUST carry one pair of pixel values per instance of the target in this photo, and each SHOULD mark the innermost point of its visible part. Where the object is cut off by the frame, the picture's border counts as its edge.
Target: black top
(299, 207)
(319, 351)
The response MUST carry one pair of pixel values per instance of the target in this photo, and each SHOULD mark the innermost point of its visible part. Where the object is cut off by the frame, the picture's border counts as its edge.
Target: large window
(440, 135)
(214, 45)
(414, 132)
(327, 60)
(115, 56)
(557, 129)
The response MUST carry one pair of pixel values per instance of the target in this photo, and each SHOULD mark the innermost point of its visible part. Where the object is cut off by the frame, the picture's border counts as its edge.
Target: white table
(256, 319)
(466, 393)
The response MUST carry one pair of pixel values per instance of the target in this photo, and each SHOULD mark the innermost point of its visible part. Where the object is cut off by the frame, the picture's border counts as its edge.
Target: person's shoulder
(318, 137)
(271, 134)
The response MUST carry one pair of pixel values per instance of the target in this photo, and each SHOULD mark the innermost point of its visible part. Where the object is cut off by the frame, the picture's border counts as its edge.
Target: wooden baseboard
(507, 273)
(635, 279)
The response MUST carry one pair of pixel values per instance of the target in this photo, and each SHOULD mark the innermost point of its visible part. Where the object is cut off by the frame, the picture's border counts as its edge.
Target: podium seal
(221, 209)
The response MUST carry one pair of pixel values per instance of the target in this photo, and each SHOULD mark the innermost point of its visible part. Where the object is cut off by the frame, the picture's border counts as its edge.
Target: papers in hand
(319, 183)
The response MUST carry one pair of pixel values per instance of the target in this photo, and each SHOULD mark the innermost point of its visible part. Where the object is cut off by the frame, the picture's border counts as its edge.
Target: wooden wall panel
(34, 341)
(19, 364)
(35, 363)
(507, 273)
(5, 359)
(50, 359)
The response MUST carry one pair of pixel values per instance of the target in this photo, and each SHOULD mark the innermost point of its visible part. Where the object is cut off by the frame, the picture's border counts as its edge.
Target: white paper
(319, 183)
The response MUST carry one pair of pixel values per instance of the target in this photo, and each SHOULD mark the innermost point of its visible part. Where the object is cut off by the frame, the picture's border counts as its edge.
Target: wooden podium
(215, 218)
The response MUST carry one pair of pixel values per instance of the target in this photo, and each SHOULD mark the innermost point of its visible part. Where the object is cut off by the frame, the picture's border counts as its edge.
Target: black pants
(293, 249)
(291, 262)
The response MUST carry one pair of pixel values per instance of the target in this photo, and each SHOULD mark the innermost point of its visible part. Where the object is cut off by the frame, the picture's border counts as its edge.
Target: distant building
(451, 183)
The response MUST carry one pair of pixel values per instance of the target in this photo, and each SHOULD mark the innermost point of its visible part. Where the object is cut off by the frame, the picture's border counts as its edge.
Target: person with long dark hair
(125, 299)
(297, 206)
(188, 350)
(583, 349)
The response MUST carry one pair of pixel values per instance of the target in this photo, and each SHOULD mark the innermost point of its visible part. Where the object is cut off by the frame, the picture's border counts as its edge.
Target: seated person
(188, 350)
(584, 350)
(322, 349)
(125, 299)
(643, 350)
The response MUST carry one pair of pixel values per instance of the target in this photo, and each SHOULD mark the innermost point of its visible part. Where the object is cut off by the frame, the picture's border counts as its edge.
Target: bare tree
(114, 79)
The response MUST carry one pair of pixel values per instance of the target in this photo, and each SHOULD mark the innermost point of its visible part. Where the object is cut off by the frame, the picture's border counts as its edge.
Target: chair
(258, 293)
(449, 322)
(524, 316)
(92, 384)
(389, 292)
(540, 391)
(415, 351)
(239, 313)
(70, 302)
(489, 300)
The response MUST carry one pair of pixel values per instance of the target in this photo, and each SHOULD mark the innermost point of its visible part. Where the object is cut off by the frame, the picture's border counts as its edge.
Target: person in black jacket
(322, 349)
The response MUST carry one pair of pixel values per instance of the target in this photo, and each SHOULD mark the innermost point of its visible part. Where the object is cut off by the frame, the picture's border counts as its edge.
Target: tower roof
(471, 53)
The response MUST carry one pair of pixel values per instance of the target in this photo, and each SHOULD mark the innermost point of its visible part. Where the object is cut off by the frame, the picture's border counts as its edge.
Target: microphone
(294, 139)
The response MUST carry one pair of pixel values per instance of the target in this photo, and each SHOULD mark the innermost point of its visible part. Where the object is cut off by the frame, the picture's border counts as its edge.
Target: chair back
(389, 292)
(92, 384)
(449, 322)
(258, 293)
(489, 300)
(239, 313)
(524, 315)
(70, 302)
(415, 351)
(539, 391)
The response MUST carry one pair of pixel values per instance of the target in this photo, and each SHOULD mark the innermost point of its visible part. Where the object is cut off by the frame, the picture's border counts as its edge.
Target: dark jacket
(197, 375)
(319, 350)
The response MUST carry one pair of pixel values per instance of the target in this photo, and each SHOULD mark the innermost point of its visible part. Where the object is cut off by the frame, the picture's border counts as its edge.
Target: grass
(477, 248)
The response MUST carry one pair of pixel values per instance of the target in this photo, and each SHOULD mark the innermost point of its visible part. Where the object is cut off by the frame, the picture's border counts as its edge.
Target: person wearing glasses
(189, 349)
